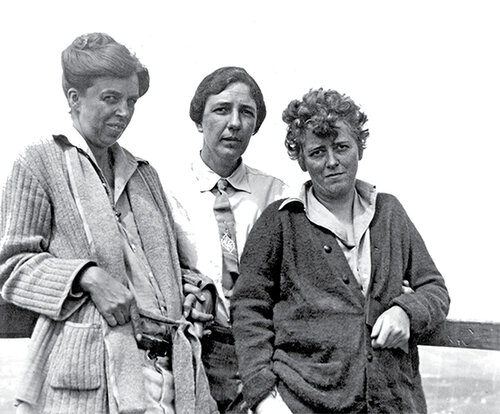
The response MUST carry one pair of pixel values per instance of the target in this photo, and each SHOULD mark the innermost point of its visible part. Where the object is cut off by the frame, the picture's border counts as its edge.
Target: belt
(154, 345)
(220, 334)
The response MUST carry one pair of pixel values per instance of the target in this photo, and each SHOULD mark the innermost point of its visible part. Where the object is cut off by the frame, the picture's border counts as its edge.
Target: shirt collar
(301, 197)
(364, 209)
(207, 178)
(125, 163)
(75, 139)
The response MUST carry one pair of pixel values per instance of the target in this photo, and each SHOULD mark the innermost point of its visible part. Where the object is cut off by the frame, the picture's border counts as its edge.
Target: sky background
(426, 73)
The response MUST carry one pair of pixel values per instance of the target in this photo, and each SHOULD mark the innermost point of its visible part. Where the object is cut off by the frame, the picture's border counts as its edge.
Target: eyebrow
(253, 108)
(315, 147)
(109, 90)
(226, 102)
(341, 140)
(115, 92)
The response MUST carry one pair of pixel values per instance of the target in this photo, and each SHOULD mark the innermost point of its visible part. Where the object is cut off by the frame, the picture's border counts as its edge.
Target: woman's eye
(110, 99)
(316, 153)
(221, 110)
(248, 112)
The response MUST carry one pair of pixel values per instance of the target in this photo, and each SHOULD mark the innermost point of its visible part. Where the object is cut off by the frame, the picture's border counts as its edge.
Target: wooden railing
(15, 322)
(453, 333)
(465, 334)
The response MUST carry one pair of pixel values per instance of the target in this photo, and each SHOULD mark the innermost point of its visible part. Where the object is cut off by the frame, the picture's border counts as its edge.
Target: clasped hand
(198, 307)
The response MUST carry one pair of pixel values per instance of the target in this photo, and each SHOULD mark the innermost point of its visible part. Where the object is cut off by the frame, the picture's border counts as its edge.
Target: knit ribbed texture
(81, 347)
(43, 247)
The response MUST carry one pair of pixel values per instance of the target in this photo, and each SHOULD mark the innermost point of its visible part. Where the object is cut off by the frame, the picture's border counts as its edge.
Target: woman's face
(332, 163)
(228, 124)
(104, 110)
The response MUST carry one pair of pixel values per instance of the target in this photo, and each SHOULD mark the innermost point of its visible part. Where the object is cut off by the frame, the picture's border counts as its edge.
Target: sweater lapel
(104, 239)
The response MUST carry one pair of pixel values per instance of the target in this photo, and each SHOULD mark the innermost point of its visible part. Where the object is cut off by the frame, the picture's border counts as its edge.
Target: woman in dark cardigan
(320, 319)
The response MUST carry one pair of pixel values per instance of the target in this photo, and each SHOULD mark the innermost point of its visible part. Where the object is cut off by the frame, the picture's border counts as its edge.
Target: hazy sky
(425, 72)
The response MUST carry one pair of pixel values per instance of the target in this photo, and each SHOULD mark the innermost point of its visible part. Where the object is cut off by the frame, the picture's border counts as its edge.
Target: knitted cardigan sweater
(301, 322)
(73, 367)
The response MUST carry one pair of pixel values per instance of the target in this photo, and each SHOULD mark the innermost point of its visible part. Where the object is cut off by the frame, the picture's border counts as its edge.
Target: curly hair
(95, 55)
(319, 111)
(216, 82)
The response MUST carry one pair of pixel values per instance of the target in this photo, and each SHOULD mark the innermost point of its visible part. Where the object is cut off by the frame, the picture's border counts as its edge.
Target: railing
(15, 322)
(465, 334)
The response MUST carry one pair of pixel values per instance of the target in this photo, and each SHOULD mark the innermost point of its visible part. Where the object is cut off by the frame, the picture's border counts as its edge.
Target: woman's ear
(73, 97)
(199, 127)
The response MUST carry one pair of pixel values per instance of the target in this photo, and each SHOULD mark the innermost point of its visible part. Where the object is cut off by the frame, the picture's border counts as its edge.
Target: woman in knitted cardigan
(321, 322)
(87, 243)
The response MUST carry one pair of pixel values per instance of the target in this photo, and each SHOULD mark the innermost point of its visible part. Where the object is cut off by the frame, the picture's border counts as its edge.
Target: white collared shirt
(192, 203)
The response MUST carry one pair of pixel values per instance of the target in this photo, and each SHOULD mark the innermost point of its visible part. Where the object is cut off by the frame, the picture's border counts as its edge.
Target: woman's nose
(123, 109)
(234, 121)
(332, 160)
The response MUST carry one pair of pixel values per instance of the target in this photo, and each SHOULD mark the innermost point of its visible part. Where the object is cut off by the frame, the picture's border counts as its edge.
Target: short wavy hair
(319, 111)
(96, 55)
(216, 82)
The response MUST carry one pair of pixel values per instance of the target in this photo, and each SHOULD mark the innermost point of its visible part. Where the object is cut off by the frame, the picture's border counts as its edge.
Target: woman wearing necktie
(215, 206)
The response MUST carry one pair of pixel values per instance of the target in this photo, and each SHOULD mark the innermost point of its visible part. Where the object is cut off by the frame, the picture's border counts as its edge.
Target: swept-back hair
(95, 55)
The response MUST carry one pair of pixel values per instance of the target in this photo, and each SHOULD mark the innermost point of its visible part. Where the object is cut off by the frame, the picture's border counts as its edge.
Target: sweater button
(369, 357)
(345, 279)
(327, 248)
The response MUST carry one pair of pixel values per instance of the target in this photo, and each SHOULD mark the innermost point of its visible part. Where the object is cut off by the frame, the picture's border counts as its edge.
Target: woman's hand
(111, 298)
(198, 306)
(391, 329)
(406, 287)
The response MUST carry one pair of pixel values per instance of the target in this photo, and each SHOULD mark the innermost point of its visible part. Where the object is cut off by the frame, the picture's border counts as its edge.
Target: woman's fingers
(406, 287)
(188, 305)
(392, 329)
(112, 299)
(200, 316)
(110, 319)
(194, 290)
(121, 317)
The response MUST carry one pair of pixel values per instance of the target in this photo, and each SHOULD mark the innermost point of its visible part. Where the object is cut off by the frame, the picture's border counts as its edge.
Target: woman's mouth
(117, 127)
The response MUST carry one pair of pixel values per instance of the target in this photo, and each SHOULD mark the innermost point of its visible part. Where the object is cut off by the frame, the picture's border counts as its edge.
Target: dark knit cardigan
(301, 321)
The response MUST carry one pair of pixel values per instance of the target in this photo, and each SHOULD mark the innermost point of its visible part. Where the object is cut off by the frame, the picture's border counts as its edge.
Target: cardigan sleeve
(255, 294)
(429, 305)
(33, 278)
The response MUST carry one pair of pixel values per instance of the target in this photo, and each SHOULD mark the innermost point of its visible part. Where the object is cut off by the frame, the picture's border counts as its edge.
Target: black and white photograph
(265, 207)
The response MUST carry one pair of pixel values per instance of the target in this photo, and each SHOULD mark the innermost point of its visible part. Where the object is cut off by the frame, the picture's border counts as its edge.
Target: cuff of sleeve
(74, 298)
(410, 304)
(258, 387)
(76, 292)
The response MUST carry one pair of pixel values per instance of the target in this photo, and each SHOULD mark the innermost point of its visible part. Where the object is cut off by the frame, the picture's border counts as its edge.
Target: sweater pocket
(78, 362)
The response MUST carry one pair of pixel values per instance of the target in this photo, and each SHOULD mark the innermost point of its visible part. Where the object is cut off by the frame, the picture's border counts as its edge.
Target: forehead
(125, 86)
(344, 134)
(235, 93)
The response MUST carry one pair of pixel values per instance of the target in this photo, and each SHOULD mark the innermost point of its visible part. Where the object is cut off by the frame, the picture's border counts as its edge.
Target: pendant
(227, 243)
